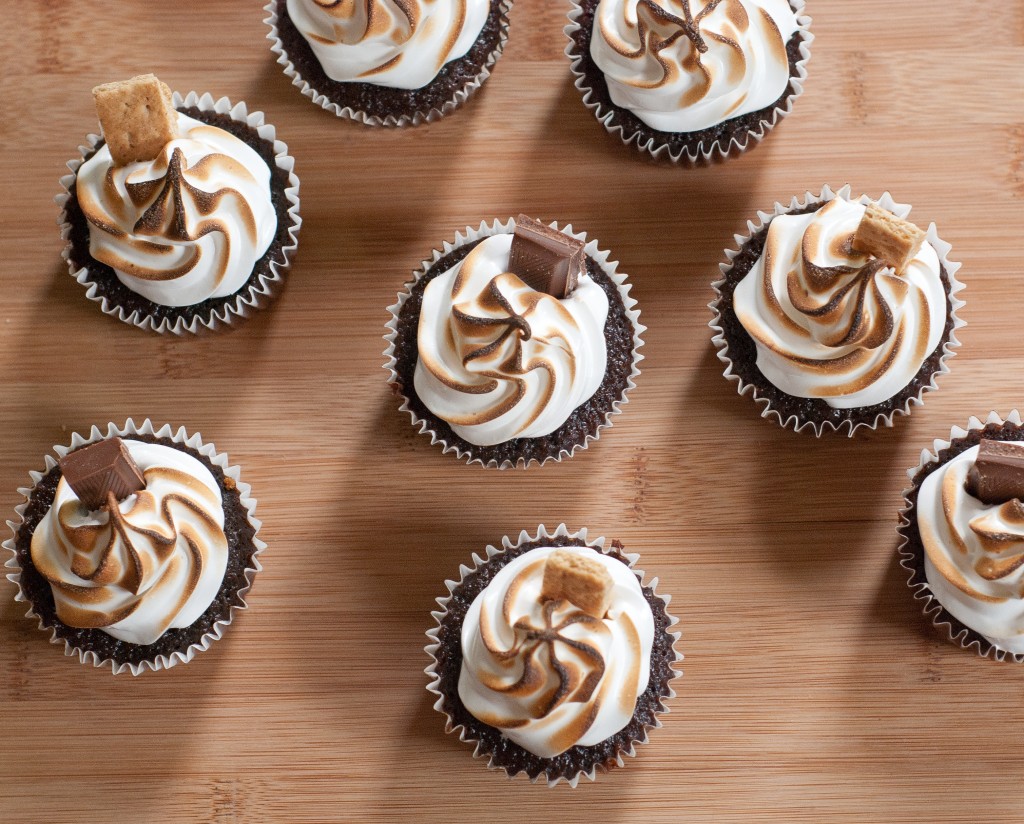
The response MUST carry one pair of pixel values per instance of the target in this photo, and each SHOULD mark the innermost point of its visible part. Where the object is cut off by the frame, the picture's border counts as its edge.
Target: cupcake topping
(547, 673)
(544, 258)
(402, 44)
(499, 360)
(887, 237)
(137, 117)
(579, 579)
(189, 224)
(997, 475)
(100, 471)
(974, 551)
(686, 65)
(137, 567)
(830, 322)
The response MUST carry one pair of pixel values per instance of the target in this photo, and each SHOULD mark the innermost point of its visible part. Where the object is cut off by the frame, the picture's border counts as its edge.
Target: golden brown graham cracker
(888, 237)
(137, 117)
(583, 581)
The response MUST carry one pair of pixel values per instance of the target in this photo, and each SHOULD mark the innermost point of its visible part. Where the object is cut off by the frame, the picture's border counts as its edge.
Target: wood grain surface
(814, 690)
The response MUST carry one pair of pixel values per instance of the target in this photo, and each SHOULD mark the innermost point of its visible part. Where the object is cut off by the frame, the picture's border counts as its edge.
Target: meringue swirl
(184, 227)
(154, 562)
(499, 360)
(547, 674)
(974, 553)
(832, 323)
(686, 65)
(402, 44)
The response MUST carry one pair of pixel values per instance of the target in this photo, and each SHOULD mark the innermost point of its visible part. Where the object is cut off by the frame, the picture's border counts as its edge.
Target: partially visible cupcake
(694, 81)
(836, 313)
(384, 63)
(136, 547)
(514, 345)
(962, 535)
(553, 656)
(184, 214)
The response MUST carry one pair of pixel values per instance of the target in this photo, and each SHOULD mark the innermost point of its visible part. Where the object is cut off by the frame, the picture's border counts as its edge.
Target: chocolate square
(100, 468)
(998, 472)
(544, 258)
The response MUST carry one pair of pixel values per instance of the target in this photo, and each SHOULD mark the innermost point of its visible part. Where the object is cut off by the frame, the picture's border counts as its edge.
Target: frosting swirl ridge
(974, 553)
(184, 227)
(402, 44)
(547, 674)
(153, 562)
(833, 323)
(499, 360)
(686, 65)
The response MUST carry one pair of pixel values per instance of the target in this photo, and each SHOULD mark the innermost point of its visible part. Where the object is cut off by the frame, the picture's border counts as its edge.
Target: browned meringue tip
(846, 427)
(722, 148)
(911, 557)
(470, 235)
(492, 552)
(249, 299)
(179, 436)
(416, 118)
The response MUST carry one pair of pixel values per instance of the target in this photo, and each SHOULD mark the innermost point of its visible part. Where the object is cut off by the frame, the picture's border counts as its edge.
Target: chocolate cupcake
(388, 64)
(962, 535)
(552, 656)
(185, 216)
(836, 314)
(136, 548)
(504, 373)
(691, 81)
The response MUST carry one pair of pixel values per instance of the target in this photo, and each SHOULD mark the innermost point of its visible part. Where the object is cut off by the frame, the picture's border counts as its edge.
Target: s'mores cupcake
(184, 214)
(553, 656)
(515, 344)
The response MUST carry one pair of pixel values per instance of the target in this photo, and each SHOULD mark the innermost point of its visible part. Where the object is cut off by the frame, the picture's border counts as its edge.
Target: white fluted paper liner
(252, 296)
(180, 436)
(956, 630)
(416, 118)
(717, 150)
(609, 267)
(491, 552)
(885, 418)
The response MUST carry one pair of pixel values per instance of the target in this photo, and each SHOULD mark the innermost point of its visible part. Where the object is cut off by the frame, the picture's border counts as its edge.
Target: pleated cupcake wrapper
(492, 552)
(720, 148)
(721, 344)
(252, 296)
(600, 257)
(129, 429)
(416, 118)
(955, 629)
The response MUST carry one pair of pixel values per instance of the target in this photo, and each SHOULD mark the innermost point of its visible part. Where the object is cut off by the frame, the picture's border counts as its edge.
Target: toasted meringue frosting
(499, 360)
(832, 323)
(686, 65)
(545, 673)
(187, 226)
(155, 563)
(974, 554)
(397, 43)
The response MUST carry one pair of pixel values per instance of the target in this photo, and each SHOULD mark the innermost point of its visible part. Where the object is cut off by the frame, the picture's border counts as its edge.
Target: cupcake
(135, 548)
(514, 345)
(552, 656)
(693, 81)
(384, 63)
(962, 535)
(185, 214)
(836, 313)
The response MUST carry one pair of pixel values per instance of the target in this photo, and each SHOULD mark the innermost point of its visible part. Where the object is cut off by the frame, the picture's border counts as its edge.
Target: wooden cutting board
(813, 689)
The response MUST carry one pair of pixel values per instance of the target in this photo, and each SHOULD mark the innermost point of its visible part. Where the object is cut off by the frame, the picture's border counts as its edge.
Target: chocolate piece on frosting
(578, 579)
(544, 258)
(998, 472)
(888, 237)
(100, 469)
(137, 117)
